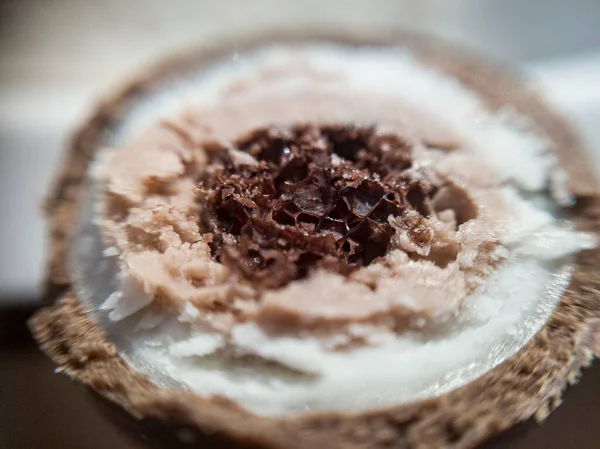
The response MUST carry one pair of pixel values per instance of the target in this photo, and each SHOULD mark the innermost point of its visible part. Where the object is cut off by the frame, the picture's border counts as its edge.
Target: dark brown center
(317, 197)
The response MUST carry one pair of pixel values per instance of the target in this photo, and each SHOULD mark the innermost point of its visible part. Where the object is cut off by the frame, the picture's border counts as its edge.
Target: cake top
(318, 216)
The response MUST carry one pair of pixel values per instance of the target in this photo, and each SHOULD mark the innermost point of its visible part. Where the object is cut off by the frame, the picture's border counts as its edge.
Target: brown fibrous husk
(527, 385)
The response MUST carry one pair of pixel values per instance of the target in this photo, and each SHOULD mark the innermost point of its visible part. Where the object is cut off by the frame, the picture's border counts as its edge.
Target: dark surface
(295, 211)
(42, 409)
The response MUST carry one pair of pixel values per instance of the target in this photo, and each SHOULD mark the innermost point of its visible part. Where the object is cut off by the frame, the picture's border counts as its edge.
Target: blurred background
(58, 56)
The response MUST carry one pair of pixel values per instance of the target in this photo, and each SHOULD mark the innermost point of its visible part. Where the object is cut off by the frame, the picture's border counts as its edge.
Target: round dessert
(322, 242)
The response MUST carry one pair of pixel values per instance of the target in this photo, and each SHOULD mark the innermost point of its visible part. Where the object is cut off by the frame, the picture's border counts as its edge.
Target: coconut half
(324, 242)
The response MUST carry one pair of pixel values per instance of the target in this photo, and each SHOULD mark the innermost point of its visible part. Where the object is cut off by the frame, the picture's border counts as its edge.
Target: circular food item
(324, 242)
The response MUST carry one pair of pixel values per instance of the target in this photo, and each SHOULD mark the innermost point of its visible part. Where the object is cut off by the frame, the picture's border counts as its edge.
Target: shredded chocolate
(309, 197)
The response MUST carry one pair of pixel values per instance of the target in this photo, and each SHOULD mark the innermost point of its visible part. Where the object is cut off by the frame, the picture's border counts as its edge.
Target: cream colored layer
(149, 214)
(395, 331)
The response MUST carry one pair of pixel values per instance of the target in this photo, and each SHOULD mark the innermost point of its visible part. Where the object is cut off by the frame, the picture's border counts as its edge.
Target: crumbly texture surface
(311, 197)
(528, 384)
(425, 217)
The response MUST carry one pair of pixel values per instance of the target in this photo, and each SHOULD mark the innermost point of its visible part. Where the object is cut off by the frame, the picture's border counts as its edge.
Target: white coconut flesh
(361, 364)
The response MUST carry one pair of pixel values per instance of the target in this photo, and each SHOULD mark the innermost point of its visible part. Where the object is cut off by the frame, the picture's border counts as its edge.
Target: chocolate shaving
(316, 198)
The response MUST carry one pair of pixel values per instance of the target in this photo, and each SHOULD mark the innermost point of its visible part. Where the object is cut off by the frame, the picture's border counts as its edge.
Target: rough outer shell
(527, 385)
